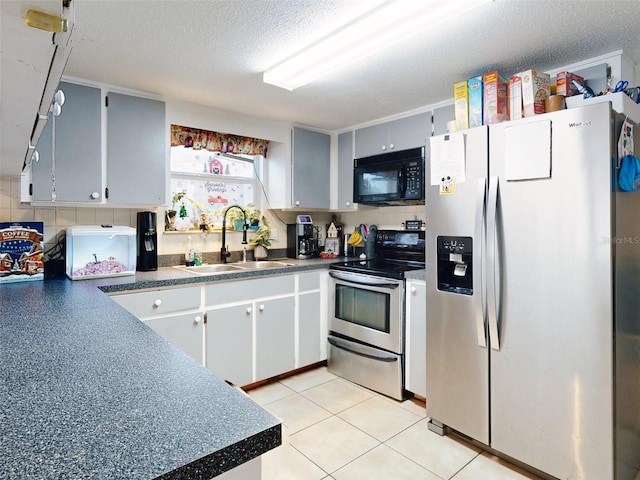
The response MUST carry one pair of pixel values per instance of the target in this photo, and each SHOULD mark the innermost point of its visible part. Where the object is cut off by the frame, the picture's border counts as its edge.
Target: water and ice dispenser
(455, 265)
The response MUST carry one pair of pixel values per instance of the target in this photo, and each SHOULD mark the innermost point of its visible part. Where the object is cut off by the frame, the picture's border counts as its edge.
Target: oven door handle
(364, 281)
(385, 359)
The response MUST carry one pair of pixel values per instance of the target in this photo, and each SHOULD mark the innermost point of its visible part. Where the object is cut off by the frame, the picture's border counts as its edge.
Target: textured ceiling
(214, 52)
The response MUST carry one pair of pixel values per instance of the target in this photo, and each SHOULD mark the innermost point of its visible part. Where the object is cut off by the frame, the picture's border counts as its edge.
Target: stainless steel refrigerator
(533, 293)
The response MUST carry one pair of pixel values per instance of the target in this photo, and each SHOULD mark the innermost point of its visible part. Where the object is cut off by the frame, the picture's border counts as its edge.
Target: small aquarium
(100, 251)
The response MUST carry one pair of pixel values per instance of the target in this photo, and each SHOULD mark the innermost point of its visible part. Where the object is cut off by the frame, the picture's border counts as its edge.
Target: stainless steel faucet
(224, 251)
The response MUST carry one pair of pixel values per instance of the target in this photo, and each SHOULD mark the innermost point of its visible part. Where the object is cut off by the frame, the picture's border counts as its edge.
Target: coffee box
(536, 86)
(495, 98)
(564, 85)
(461, 105)
(476, 94)
(21, 251)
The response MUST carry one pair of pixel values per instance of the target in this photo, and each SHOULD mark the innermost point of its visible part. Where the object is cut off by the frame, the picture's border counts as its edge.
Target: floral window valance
(217, 142)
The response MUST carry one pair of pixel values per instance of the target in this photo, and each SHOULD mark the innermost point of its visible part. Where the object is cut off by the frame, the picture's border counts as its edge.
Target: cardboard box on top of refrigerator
(536, 86)
(515, 98)
(476, 94)
(564, 85)
(495, 98)
(461, 105)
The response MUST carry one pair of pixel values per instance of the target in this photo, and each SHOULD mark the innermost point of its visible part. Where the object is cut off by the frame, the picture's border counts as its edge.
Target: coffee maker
(147, 242)
(302, 239)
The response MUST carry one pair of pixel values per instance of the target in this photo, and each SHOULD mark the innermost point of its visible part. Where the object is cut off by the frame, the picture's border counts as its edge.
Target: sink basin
(207, 269)
(266, 264)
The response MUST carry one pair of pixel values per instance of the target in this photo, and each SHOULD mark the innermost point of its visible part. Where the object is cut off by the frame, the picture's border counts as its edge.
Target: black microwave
(395, 178)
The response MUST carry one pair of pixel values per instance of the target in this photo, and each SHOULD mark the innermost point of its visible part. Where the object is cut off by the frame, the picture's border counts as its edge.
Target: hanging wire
(264, 192)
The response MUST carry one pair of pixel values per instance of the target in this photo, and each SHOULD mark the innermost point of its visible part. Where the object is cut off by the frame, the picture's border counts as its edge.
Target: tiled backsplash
(57, 219)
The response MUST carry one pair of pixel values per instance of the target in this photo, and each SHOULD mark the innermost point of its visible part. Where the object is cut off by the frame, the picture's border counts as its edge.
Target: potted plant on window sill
(253, 216)
(261, 240)
(170, 215)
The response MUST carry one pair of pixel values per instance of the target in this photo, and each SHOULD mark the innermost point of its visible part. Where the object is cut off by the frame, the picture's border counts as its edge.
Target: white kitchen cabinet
(345, 172)
(137, 140)
(251, 324)
(416, 340)
(309, 329)
(311, 311)
(184, 331)
(275, 337)
(310, 165)
(400, 134)
(174, 313)
(78, 151)
(229, 342)
(134, 170)
(263, 327)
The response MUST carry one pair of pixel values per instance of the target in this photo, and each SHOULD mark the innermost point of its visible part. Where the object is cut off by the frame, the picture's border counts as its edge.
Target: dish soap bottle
(190, 255)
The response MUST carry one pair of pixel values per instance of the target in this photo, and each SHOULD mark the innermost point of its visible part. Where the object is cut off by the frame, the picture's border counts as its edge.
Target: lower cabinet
(174, 313)
(243, 330)
(416, 344)
(275, 337)
(229, 342)
(309, 328)
(185, 331)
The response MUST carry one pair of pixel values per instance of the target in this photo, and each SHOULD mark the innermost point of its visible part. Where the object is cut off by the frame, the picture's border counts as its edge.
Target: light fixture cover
(381, 28)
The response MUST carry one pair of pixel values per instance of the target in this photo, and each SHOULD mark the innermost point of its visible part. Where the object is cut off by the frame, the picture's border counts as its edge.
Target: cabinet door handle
(197, 319)
(248, 310)
(413, 289)
(391, 146)
(262, 307)
(384, 147)
(297, 203)
(157, 303)
(95, 195)
(348, 204)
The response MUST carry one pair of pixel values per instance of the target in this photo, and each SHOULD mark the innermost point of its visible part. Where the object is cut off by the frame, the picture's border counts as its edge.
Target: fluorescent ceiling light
(387, 25)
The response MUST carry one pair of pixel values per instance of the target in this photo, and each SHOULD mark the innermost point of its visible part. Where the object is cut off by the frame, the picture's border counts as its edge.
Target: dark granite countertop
(89, 391)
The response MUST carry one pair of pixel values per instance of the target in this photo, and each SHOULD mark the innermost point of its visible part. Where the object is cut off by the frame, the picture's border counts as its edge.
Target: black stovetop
(396, 252)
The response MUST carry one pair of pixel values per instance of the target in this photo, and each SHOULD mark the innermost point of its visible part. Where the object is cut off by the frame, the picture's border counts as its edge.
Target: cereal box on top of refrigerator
(536, 86)
(476, 98)
(21, 251)
(495, 98)
(461, 104)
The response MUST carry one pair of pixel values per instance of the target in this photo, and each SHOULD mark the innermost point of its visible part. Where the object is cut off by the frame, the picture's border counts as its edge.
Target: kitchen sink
(208, 269)
(263, 264)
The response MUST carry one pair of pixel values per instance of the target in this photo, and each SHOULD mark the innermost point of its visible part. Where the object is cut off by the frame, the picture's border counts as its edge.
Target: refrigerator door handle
(478, 276)
(492, 311)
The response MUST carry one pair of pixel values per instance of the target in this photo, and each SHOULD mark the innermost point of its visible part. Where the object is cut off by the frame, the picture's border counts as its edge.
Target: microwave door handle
(402, 182)
(364, 281)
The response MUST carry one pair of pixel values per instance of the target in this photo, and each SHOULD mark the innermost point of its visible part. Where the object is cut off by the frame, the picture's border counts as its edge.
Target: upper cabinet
(72, 167)
(310, 164)
(400, 134)
(345, 171)
(441, 116)
(78, 153)
(136, 150)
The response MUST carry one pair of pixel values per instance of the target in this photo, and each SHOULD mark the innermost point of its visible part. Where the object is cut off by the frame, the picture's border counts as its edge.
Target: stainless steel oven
(366, 331)
(368, 308)
(366, 321)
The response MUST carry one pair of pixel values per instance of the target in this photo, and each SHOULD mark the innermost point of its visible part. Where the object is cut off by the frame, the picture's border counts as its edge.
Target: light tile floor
(334, 429)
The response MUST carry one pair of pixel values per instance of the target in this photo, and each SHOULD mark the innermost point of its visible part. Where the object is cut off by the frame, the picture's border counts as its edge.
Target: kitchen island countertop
(89, 391)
